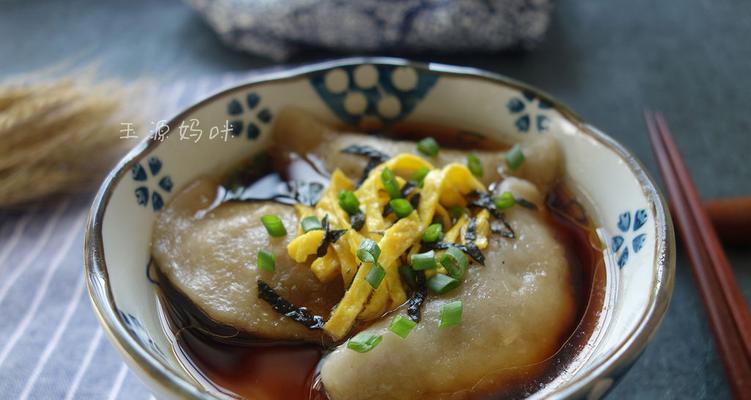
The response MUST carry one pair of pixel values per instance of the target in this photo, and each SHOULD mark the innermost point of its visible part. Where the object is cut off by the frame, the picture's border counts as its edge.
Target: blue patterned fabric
(279, 28)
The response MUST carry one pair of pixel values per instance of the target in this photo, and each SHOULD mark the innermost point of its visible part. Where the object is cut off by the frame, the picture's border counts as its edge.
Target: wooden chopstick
(727, 310)
(731, 218)
(733, 295)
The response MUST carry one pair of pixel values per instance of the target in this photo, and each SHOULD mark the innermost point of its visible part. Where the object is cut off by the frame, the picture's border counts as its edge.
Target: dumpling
(541, 167)
(516, 309)
(212, 259)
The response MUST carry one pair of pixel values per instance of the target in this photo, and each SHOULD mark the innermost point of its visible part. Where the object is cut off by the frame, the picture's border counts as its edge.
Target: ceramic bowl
(622, 199)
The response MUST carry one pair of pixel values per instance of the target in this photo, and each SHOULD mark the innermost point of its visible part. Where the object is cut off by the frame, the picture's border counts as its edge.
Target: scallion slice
(504, 200)
(451, 314)
(428, 146)
(311, 223)
(515, 157)
(389, 184)
(266, 260)
(402, 326)
(401, 207)
(419, 175)
(368, 251)
(423, 261)
(363, 342)
(375, 276)
(455, 212)
(440, 283)
(433, 233)
(348, 202)
(408, 275)
(475, 165)
(455, 262)
(273, 225)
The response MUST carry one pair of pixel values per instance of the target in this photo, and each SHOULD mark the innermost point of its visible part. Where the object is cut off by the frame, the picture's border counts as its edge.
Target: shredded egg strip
(442, 188)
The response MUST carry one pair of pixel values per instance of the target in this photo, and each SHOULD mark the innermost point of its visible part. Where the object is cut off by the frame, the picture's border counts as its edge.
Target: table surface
(608, 60)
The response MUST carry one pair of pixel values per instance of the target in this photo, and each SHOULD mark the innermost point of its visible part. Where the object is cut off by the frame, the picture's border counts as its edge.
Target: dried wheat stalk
(60, 135)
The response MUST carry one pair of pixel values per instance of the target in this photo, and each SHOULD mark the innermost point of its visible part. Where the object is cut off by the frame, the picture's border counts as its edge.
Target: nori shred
(407, 189)
(470, 234)
(418, 297)
(357, 220)
(502, 228)
(484, 200)
(375, 157)
(329, 236)
(367, 151)
(526, 203)
(284, 307)
(415, 201)
(470, 248)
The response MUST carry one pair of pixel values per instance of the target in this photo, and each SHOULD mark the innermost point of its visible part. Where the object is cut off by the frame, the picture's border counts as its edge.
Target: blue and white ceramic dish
(617, 192)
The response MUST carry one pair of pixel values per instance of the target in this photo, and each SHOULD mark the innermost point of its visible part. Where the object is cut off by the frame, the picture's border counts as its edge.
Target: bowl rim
(616, 360)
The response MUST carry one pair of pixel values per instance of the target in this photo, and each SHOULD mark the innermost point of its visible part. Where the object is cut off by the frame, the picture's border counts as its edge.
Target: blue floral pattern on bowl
(143, 194)
(529, 111)
(258, 116)
(363, 93)
(629, 233)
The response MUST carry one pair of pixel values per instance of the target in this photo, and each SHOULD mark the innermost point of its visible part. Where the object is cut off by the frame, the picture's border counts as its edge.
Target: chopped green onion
(266, 260)
(348, 202)
(455, 262)
(375, 276)
(433, 233)
(419, 175)
(423, 261)
(363, 342)
(408, 275)
(441, 283)
(451, 314)
(428, 146)
(455, 212)
(389, 183)
(401, 207)
(368, 251)
(402, 326)
(475, 165)
(515, 157)
(504, 200)
(273, 225)
(311, 223)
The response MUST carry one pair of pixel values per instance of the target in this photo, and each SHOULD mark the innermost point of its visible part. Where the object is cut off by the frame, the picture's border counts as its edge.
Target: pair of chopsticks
(724, 303)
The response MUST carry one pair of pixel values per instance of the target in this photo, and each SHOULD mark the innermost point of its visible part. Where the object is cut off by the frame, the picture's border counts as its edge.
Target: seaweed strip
(526, 203)
(418, 297)
(498, 228)
(367, 151)
(329, 236)
(470, 234)
(375, 157)
(407, 189)
(484, 200)
(387, 210)
(284, 307)
(357, 220)
(415, 201)
(470, 248)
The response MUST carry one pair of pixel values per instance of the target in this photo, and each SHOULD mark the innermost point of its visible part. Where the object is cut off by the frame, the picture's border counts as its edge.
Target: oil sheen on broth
(238, 364)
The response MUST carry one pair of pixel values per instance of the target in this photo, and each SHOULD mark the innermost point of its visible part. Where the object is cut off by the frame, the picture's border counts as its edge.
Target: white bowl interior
(613, 190)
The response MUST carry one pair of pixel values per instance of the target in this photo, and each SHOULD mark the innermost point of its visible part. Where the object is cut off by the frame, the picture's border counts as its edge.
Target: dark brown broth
(260, 370)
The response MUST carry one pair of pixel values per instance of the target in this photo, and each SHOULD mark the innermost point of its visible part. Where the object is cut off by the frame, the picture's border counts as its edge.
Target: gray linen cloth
(279, 28)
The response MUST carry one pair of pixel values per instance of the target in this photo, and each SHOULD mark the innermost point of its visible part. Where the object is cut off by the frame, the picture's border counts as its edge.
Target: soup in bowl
(377, 228)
